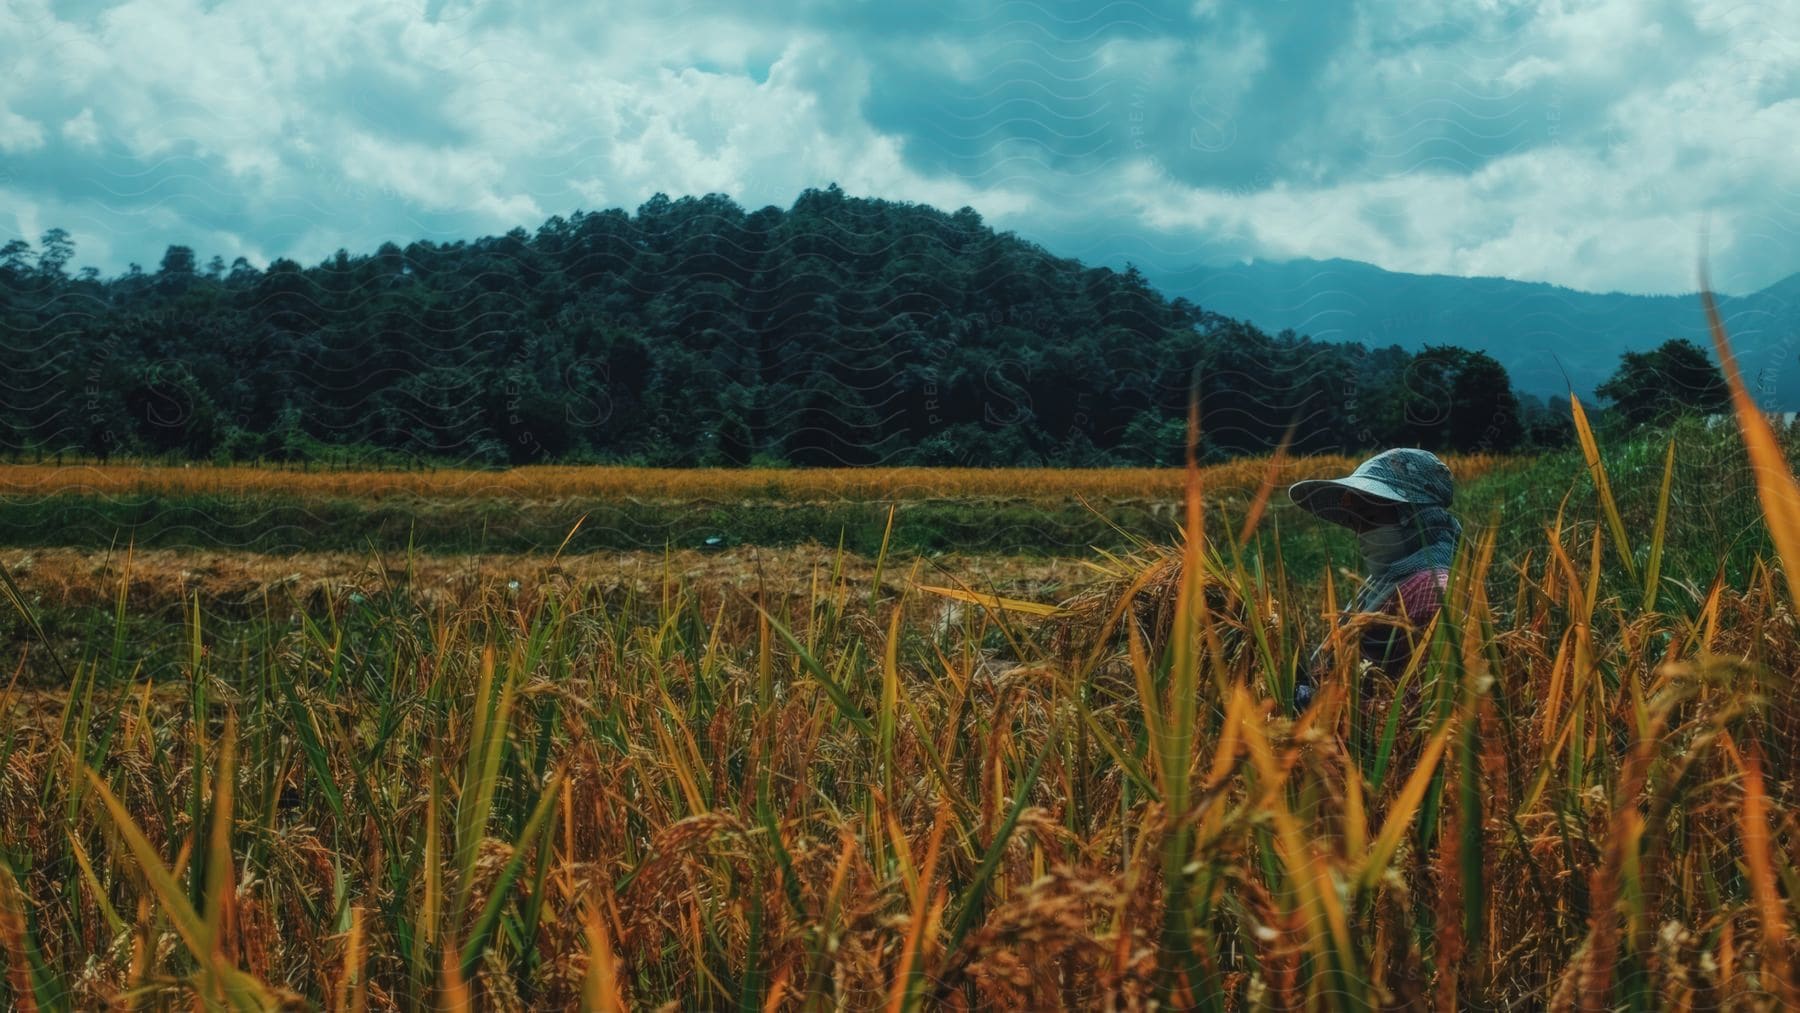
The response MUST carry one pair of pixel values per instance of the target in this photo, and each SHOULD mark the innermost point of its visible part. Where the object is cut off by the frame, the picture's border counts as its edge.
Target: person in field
(1398, 503)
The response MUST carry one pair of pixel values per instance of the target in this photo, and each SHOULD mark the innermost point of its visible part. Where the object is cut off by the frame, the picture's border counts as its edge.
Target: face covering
(1425, 537)
(1387, 544)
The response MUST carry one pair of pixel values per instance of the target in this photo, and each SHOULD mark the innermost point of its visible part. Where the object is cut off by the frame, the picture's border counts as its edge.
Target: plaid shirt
(1415, 601)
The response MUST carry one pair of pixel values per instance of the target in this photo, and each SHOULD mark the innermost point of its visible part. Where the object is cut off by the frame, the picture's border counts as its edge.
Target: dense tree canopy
(1673, 379)
(838, 331)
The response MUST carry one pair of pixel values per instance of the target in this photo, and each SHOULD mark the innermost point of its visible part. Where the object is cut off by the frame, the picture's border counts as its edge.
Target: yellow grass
(800, 485)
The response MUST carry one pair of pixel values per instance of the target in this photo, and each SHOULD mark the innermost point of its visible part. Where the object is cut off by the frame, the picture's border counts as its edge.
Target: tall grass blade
(1653, 571)
(353, 990)
(427, 925)
(1179, 971)
(501, 889)
(833, 689)
(996, 603)
(887, 533)
(1775, 486)
(1404, 807)
(907, 975)
(240, 989)
(600, 986)
(33, 986)
(975, 895)
(888, 719)
(1591, 452)
(481, 771)
(221, 884)
(1753, 819)
(16, 598)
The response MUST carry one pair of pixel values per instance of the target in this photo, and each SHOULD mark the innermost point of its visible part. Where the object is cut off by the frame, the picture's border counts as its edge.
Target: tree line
(840, 331)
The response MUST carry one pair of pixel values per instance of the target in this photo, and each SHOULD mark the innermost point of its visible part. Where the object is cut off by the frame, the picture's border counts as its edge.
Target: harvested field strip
(703, 484)
(152, 579)
(285, 524)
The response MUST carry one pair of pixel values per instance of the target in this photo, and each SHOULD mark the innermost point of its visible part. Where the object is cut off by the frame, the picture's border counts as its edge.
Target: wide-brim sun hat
(1404, 475)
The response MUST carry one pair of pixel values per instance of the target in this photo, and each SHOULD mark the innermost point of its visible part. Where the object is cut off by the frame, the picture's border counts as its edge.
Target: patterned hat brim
(1322, 497)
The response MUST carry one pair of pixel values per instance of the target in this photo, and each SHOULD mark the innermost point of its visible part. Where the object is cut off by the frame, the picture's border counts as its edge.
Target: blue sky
(1578, 143)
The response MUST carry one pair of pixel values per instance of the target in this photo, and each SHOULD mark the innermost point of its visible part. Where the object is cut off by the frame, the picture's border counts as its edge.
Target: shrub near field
(1583, 797)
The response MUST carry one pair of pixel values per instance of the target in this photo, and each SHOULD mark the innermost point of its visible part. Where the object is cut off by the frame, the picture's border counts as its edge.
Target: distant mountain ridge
(1550, 339)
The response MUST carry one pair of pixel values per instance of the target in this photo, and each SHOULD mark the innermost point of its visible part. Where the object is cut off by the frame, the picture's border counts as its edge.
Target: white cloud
(1677, 133)
(81, 129)
(19, 134)
(1574, 143)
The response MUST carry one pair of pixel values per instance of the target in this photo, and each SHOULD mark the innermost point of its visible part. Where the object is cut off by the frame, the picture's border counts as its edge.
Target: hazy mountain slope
(1540, 332)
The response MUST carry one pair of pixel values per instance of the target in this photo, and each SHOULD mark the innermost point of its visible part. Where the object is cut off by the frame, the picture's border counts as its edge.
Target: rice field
(685, 485)
(819, 779)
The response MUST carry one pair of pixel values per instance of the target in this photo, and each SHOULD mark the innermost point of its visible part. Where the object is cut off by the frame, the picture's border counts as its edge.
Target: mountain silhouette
(1549, 338)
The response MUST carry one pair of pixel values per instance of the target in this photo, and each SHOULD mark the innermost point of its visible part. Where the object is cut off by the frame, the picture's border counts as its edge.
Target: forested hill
(694, 331)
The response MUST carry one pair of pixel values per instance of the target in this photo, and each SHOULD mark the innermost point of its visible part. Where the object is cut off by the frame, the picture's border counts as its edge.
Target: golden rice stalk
(907, 977)
(453, 990)
(1753, 818)
(15, 942)
(1662, 530)
(352, 990)
(600, 985)
(1774, 480)
(995, 602)
(1591, 451)
(240, 989)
